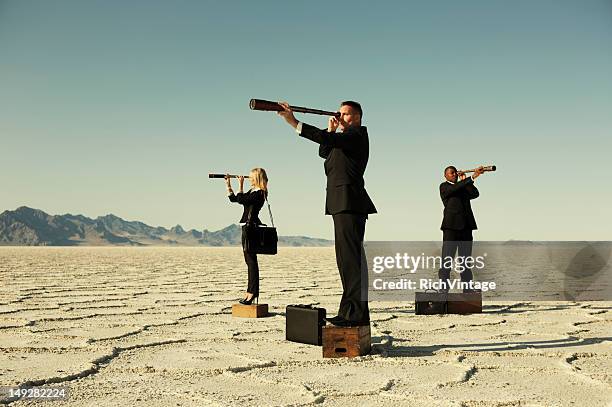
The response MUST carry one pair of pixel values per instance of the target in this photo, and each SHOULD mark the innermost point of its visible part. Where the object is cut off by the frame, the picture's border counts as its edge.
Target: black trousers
(456, 241)
(253, 269)
(349, 230)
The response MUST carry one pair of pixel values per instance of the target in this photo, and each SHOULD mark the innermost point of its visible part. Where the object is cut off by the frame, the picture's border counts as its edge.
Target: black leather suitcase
(430, 303)
(304, 324)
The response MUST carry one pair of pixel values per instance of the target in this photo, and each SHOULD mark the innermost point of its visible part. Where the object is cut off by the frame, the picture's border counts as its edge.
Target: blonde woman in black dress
(252, 200)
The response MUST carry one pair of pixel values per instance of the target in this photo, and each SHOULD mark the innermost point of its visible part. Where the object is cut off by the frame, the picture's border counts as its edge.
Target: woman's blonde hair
(260, 179)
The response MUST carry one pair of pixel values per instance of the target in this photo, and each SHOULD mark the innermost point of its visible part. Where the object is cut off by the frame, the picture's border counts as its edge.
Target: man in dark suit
(346, 157)
(458, 222)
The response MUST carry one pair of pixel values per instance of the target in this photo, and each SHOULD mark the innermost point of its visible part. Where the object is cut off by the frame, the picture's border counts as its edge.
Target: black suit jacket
(346, 157)
(252, 201)
(456, 198)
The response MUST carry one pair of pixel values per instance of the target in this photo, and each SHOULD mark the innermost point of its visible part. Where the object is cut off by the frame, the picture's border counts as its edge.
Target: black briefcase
(260, 239)
(304, 324)
(430, 303)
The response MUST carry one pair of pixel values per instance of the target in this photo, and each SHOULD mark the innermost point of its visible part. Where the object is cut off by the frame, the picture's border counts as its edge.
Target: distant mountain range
(33, 227)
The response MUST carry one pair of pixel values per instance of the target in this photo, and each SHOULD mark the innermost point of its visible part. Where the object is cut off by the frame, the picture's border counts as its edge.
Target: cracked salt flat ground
(153, 327)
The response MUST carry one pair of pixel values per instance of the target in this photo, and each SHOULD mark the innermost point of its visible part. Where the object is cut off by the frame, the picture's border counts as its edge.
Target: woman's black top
(252, 201)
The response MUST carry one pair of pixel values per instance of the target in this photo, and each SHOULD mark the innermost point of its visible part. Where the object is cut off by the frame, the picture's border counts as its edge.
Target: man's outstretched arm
(324, 151)
(447, 189)
(327, 138)
(345, 140)
(472, 191)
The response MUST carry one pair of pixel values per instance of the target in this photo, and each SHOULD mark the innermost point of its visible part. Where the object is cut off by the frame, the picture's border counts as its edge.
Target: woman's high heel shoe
(244, 301)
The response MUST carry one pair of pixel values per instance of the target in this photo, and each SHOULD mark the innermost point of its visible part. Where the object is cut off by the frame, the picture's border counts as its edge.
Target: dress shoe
(345, 323)
(332, 320)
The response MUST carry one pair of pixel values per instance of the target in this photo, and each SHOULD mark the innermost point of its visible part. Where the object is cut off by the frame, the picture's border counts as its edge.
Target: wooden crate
(348, 342)
(464, 303)
(250, 311)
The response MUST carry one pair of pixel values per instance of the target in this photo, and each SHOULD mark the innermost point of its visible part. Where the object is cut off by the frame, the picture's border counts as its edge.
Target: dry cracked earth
(153, 327)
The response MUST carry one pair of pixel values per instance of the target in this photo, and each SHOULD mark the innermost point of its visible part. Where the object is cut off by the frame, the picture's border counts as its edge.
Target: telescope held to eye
(485, 168)
(267, 105)
(223, 176)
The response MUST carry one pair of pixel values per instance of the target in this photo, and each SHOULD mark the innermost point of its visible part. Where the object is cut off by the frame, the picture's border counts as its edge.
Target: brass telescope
(223, 176)
(269, 106)
(485, 168)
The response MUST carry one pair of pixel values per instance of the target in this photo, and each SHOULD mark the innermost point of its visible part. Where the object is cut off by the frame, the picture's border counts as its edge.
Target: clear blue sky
(124, 107)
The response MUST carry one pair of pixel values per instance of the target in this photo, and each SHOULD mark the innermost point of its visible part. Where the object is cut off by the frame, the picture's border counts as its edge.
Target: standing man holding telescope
(346, 157)
(458, 222)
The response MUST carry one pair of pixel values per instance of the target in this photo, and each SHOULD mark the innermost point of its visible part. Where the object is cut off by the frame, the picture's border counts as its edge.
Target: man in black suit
(346, 156)
(458, 222)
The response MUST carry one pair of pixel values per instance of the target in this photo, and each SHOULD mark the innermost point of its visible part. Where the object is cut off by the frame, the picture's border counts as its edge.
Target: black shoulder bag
(260, 239)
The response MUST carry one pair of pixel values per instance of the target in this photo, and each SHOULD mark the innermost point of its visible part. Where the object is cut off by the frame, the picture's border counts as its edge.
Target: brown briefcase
(465, 303)
(430, 302)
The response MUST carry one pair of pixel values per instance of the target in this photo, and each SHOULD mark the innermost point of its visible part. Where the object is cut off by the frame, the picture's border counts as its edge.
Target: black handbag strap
(269, 209)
